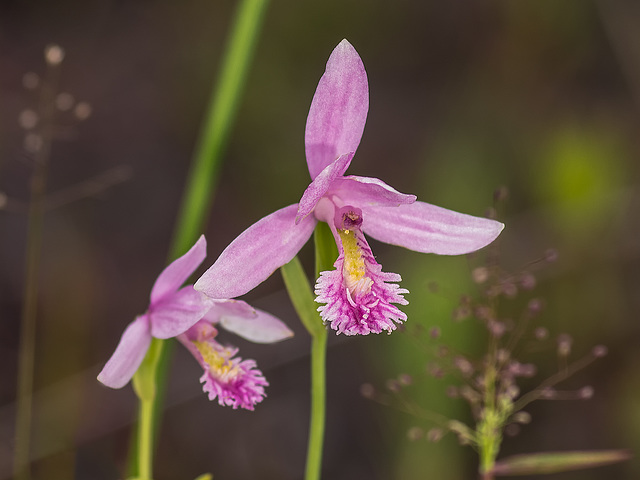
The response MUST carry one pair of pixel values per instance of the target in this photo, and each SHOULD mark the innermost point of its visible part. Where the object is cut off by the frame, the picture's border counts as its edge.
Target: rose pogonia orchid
(358, 297)
(190, 315)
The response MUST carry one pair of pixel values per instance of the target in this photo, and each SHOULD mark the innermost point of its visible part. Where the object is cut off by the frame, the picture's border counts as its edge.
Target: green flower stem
(326, 253)
(26, 358)
(144, 384)
(318, 405)
(303, 301)
(201, 185)
(145, 440)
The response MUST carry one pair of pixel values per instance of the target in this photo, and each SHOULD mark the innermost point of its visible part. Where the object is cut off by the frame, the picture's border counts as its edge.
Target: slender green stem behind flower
(203, 176)
(302, 298)
(217, 125)
(318, 405)
(325, 253)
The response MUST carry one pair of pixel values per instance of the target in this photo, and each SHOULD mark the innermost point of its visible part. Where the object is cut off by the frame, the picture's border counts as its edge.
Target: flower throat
(354, 270)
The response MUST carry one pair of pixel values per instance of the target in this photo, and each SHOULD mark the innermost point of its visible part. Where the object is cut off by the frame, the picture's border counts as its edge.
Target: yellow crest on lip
(217, 363)
(354, 270)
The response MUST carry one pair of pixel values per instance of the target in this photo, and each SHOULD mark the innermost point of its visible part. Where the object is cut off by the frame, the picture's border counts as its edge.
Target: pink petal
(429, 229)
(176, 313)
(367, 191)
(319, 186)
(256, 253)
(264, 328)
(178, 271)
(235, 308)
(129, 354)
(338, 111)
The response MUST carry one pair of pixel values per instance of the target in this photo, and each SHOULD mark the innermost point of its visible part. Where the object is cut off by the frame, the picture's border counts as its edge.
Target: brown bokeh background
(539, 96)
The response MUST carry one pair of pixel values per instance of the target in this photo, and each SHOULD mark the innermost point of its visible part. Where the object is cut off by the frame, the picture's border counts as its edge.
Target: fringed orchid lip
(233, 381)
(358, 296)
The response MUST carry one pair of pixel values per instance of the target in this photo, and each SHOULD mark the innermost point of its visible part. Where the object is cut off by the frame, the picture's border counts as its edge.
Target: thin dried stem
(26, 360)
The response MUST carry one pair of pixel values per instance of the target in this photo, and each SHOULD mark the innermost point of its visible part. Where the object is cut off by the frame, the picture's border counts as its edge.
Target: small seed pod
(480, 274)
(521, 417)
(435, 434)
(599, 351)
(367, 390)
(415, 433)
(53, 54)
(564, 345)
(541, 333)
(586, 392)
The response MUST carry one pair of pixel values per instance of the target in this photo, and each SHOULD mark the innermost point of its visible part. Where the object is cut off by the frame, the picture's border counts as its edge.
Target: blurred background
(542, 97)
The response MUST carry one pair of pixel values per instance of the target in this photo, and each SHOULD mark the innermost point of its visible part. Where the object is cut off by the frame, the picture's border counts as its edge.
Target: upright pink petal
(338, 111)
(367, 191)
(256, 253)
(429, 229)
(176, 313)
(129, 354)
(319, 186)
(178, 271)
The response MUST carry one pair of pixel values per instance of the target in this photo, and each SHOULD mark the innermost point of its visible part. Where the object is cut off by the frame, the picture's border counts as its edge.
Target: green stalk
(26, 358)
(318, 406)
(201, 183)
(145, 440)
(144, 384)
(326, 253)
(489, 432)
(221, 113)
(303, 301)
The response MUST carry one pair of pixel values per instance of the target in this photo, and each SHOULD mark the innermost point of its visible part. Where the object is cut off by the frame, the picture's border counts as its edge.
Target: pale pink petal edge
(176, 313)
(178, 271)
(264, 328)
(427, 228)
(256, 253)
(338, 111)
(128, 355)
(323, 182)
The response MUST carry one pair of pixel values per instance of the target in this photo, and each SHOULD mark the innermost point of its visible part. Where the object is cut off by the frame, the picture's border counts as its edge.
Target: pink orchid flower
(358, 297)
(190, 316)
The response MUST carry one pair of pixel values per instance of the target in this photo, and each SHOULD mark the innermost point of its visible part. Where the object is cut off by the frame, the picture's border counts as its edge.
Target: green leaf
(144, 380)
(301, 296)
(554, 462)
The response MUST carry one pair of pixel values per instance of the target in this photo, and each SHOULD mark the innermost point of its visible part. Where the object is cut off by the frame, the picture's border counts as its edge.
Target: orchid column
(357, 296)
